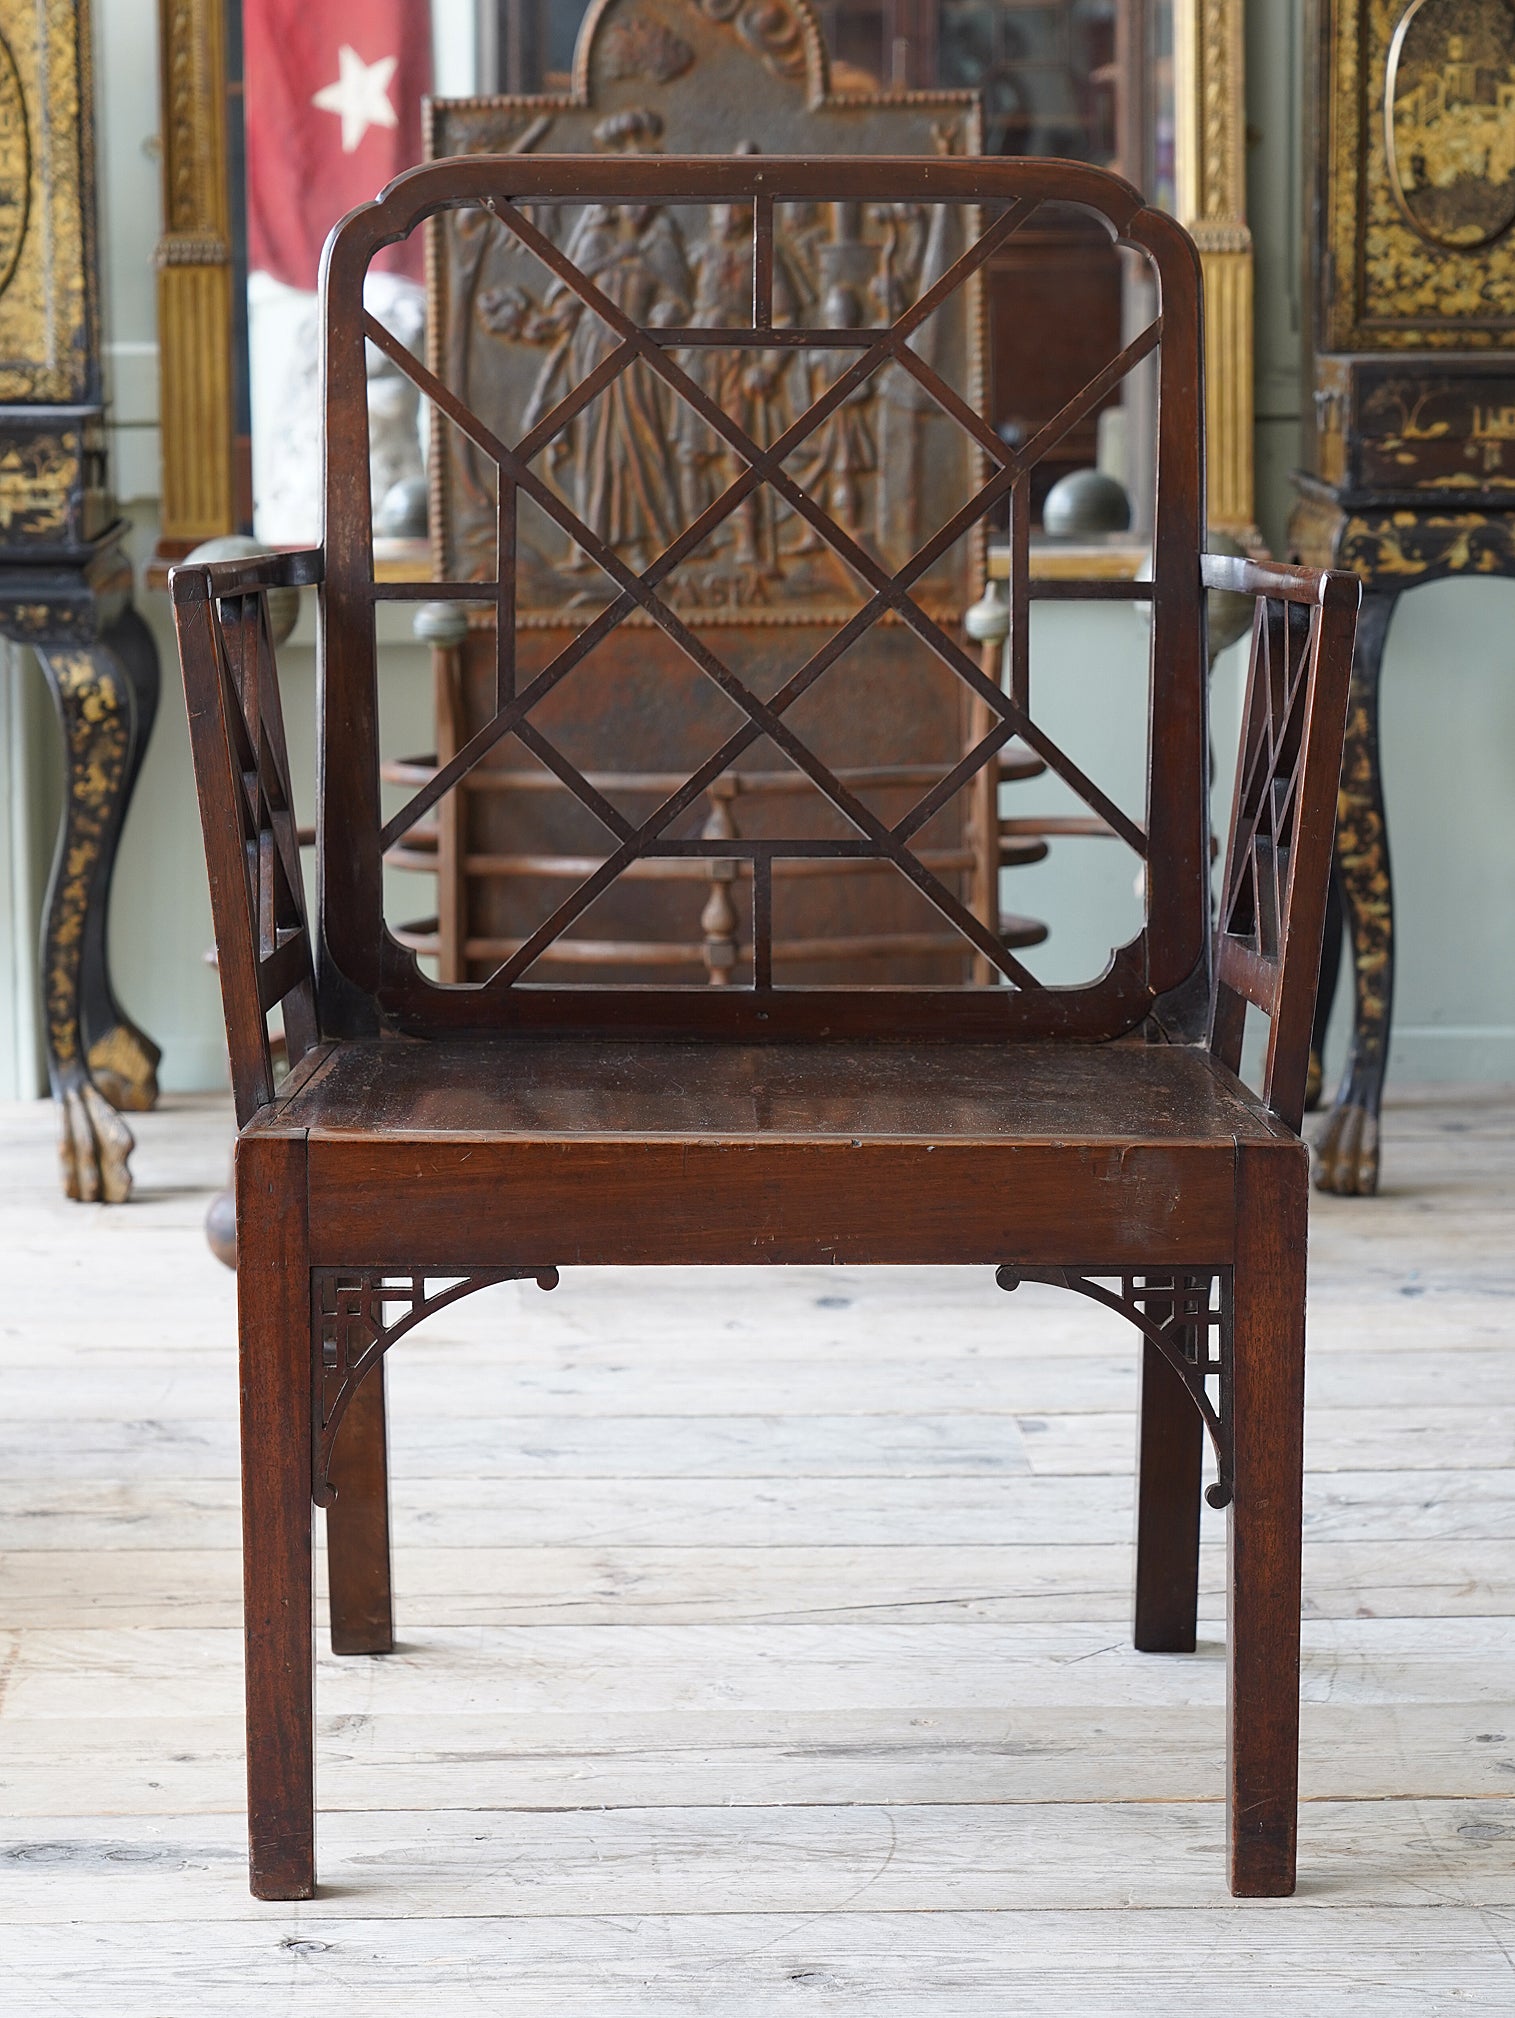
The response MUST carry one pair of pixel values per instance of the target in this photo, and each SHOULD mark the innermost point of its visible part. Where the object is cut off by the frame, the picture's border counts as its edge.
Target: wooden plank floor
(764, 1640)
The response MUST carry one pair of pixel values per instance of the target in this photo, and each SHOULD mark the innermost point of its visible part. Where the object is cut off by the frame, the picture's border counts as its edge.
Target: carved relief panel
(705, 76)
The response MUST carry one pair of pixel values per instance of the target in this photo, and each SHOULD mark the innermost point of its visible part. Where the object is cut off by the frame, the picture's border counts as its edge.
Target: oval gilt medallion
(15, 166)
(1449, 119)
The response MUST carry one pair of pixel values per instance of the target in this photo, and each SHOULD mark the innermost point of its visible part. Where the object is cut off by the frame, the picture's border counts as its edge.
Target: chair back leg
(1169, 1465)
(357, 1526)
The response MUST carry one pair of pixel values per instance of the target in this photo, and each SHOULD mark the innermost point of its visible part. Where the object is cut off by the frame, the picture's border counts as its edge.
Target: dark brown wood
(1273, 903)
(1169, 1461)
(623, 1203)
(432, 1138)
(1263, 1537)
(510, 841)
(257, 889)
(357, 1527)
(273, 1307)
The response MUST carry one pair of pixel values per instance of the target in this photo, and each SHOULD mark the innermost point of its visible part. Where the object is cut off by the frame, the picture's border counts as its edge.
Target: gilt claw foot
(94, 1147)
(1346, 1152)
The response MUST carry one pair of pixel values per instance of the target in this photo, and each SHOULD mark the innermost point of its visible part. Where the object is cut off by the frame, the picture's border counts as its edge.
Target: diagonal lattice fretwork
(269, 837)
(1257, 886)
(762, 464)
(888, 593)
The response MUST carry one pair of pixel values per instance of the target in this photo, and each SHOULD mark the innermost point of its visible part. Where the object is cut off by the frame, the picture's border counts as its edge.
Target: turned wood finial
(718, 920)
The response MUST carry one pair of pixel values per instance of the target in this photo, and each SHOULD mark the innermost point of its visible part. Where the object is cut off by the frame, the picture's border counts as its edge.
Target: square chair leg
(357, 1527)
(273, 1300)
(1169, 1466)
(1267, 1401)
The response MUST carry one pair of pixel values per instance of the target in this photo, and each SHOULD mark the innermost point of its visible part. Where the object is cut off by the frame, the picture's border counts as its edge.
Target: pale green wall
(1450, 730)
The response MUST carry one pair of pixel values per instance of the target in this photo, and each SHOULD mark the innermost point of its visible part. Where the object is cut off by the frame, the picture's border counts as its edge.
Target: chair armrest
(300, 568)
(252, 849)
(1283, 813)
(1284, 580)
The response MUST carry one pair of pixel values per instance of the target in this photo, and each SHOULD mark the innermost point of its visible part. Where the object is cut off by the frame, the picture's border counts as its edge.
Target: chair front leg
(357, 1526)
(1267, 1414)
(273, 1299)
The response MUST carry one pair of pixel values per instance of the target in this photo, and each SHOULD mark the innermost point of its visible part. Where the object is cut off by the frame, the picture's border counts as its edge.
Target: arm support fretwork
(356, 1316)
(1186, 1315)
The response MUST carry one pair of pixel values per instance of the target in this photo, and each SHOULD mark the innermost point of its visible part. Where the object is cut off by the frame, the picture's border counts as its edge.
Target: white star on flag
(360, 95)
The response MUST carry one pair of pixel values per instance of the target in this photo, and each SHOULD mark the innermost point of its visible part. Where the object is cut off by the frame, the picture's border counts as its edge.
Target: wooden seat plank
(999, 1093)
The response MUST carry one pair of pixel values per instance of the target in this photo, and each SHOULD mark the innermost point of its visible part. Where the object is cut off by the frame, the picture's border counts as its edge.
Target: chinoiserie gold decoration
(1411, 439)
(95, 724)
(15, 166)
(1449, 120)
(96, 711)
(49, 321)
(36, 477)
(1417, 102)
(125, 1069)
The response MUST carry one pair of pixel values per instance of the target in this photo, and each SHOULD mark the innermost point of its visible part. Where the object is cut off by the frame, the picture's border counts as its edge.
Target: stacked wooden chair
(435, 1137)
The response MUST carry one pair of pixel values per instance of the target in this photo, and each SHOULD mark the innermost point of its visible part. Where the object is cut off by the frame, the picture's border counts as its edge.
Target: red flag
(333, 107)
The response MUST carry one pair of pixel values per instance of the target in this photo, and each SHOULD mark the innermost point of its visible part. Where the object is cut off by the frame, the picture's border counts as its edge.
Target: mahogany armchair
(431, 1138)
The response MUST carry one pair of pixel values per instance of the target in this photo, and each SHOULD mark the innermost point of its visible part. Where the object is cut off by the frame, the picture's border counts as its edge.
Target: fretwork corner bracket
(351, 1330)
(1186, 1315)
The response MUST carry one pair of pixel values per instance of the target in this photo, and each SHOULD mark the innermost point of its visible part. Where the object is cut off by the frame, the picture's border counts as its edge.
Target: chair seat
(534, 1150)
(577, 1087)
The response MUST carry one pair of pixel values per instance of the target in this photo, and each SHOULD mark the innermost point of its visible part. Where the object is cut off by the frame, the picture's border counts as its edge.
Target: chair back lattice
(584, 222)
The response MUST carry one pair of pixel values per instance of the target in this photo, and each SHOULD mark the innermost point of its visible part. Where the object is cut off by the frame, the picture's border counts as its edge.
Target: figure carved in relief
(751, 387)
(621, 476)
(843, 451)
(640, 464)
